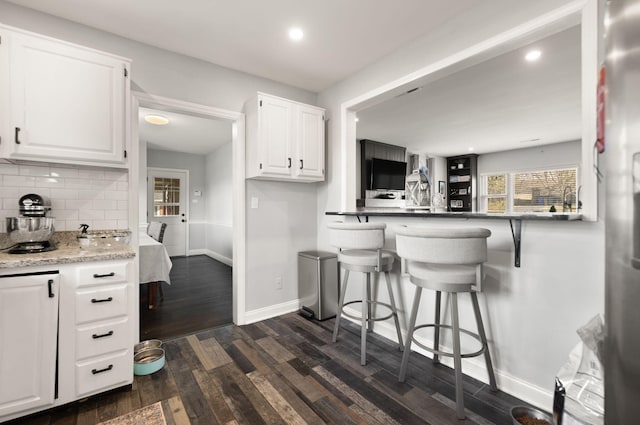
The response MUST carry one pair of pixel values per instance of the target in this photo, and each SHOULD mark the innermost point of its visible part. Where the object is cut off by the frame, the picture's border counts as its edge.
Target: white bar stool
(446, 260)
(360, 250)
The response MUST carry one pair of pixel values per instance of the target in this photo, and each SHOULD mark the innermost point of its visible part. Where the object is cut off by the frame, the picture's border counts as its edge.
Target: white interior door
(167, 202)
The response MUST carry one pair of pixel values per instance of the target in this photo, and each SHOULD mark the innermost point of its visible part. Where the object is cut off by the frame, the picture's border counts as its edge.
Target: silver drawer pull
(96, 336)
(104, 300)
(98, 276)
(106, 369)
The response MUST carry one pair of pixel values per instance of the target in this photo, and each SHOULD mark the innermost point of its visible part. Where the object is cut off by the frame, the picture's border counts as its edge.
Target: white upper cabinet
(310, 155)
(276, 133)
(62, 102)
(285, 140)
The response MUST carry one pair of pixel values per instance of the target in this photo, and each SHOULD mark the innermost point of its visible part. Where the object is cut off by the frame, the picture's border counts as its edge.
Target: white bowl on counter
(108, 240)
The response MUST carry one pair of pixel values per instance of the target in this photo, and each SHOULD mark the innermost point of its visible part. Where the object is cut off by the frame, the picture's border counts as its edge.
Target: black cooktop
(32, 247)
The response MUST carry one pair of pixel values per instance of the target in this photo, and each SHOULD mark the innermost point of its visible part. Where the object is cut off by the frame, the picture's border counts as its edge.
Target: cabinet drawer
(103, 274)
(101, 303)
(102, 339)
(104, 373)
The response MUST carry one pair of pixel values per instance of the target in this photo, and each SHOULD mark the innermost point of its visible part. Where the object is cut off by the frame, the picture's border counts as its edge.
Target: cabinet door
(66, 103)
(275, 129)
(310, 143)
(28, 335)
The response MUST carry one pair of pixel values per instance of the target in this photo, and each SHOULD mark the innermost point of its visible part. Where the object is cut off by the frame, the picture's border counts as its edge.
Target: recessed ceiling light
(533, 55)
(471, 149)
(357, 119)
(296, 34)
(156, 119)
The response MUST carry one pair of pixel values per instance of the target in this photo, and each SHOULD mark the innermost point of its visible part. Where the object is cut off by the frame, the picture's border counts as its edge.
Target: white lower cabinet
(28, 332)
(84, 322)
(98, 374)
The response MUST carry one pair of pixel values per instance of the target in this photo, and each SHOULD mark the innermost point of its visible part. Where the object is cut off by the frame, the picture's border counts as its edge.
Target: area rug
(148, 415)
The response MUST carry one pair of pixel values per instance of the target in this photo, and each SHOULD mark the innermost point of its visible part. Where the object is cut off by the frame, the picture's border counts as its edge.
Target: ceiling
(184, 133)
(500, 104)
(503, 103)
(341, 36)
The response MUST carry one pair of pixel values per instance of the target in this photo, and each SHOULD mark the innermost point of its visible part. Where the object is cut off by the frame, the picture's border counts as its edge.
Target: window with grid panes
(538, 191)
(531, 192)
(496, 193)
(166, 197)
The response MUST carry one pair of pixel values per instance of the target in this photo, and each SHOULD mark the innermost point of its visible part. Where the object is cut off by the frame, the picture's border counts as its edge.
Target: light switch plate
(254, 202)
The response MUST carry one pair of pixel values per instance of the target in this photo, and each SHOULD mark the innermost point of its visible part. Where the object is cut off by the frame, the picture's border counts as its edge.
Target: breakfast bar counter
(515, 220)
(422, 213)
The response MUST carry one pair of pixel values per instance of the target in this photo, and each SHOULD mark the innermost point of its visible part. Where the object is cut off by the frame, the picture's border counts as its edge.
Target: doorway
(167, 202)
(238, 229)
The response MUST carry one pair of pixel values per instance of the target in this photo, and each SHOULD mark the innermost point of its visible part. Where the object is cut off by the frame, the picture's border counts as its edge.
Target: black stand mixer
(32, 230)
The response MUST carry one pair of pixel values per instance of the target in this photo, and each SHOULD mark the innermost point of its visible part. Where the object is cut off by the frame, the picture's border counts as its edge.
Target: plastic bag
(579, 393)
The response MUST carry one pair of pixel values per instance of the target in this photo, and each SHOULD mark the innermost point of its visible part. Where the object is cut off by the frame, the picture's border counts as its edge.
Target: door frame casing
(140, 99)
(186, 201)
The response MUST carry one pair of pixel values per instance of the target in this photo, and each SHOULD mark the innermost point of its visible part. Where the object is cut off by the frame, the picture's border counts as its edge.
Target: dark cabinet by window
(461, 182)
(370, 149)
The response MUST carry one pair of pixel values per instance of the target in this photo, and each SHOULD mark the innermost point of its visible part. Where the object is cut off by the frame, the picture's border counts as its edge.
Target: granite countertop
(68, 251)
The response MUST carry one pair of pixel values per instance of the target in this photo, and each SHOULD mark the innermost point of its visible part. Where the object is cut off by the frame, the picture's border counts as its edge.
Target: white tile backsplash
(78, 195)
(9, 180)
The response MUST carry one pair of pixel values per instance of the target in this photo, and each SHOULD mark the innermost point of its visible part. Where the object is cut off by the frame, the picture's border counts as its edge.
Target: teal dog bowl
(148, 361)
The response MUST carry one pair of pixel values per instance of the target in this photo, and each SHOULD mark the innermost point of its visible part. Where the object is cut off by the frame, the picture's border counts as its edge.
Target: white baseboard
(219, 257)
(474, 367)
(271, 311)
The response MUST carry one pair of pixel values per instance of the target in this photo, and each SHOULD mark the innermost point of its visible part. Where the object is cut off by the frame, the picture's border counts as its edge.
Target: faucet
(567, 195)
(579, 206)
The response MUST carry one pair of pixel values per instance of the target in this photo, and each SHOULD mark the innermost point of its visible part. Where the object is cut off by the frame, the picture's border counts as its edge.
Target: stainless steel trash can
(318, 284)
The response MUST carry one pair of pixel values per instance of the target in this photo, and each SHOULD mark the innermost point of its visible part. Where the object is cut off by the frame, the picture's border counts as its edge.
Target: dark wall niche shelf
(462, 182)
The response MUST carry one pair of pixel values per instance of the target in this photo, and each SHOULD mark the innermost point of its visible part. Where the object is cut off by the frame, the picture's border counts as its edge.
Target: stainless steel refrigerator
(622, 213)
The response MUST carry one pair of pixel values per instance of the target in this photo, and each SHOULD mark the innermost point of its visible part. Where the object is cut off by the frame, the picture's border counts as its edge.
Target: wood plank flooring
(285, 370)
(199, 297)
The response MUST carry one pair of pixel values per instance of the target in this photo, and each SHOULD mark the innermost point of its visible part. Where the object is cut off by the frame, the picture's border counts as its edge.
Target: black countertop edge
(400, 212)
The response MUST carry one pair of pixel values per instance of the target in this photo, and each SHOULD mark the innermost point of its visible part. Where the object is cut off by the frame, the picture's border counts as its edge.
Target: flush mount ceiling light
(533, 55)
(296, 34)
(156, 119)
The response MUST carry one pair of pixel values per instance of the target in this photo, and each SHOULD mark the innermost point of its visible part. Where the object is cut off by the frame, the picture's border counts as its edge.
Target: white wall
(531, 313)
(567, 154)
(283, 225)
(164, 73)
(219, 201)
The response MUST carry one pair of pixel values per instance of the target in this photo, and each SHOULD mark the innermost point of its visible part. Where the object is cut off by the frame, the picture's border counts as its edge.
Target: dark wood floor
(199, 297)
(286, 371)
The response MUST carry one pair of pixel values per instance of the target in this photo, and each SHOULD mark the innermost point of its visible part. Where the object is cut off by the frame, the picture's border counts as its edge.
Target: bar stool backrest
(442, 246)
(356, 235)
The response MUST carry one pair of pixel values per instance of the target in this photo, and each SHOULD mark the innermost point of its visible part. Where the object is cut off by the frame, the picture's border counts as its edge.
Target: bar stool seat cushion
(364, 257)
